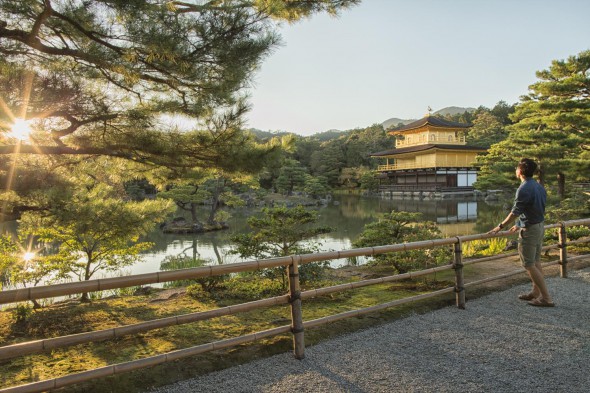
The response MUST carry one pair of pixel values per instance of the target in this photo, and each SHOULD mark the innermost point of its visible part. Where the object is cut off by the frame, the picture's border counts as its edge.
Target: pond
(347, 214)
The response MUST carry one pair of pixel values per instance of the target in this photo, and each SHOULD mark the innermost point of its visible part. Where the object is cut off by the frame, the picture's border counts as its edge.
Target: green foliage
(246, 287)
(487, 130)
(575, 206)
(502, 111)
(328, 161)
(551, 126)
(313, 272)
(210, 284)
(572, 233)
(20, 266)
(483, 248)
(158, 85)
(403, 227)
(291, 176)
(577, 232)
(21, 313)
(279, 232)
(138, 189)
(253, 288)
(206, 284)
(96, 231)
(8, 258)
(460, 117)
(369, 181)
(316, 187)
(105, 91)
(339, 157)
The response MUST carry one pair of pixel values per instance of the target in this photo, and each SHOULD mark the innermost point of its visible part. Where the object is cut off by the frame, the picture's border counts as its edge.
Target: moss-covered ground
(72, 317)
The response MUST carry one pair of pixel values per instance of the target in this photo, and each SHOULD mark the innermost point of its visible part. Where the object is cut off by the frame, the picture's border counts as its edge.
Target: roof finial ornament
(429, 111)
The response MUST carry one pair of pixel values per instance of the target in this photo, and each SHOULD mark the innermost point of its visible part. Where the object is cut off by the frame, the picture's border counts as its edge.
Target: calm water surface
(348, 216)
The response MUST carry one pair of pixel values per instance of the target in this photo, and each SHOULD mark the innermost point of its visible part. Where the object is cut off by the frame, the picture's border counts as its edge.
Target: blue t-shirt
(529, 203)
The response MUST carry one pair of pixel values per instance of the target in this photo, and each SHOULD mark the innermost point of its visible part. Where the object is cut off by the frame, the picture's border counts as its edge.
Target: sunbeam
(20, 129)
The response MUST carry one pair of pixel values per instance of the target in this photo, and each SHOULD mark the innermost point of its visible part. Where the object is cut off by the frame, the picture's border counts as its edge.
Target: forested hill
(320, 136)
(453, 111)
(335, 134)
(343, 158)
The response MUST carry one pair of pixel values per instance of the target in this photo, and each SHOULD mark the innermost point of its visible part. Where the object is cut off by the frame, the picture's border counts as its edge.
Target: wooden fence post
(458, 266)
(562, 250)
(296, 311)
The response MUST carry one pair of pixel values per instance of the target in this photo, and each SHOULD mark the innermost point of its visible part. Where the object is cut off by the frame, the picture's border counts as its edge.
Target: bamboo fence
(294, 299)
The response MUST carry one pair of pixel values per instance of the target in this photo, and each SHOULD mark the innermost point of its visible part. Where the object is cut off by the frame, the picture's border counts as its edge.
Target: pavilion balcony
(432, 139)
(439, 162)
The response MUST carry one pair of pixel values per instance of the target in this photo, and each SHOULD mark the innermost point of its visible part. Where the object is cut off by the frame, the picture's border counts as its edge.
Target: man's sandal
(526, 296)
(541, 303)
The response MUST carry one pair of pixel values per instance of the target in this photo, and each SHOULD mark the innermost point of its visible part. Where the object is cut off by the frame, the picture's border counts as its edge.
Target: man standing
(529, 208)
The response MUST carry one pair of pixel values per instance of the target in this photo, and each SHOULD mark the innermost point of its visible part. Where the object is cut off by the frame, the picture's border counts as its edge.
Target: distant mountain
(321, 136)
(265, 135)
(453, 110)
(334, 134)
(394, 121)
(329, 135)
(450, 110)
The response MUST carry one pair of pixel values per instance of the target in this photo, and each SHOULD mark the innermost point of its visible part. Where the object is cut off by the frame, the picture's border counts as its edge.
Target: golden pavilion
(430, 155)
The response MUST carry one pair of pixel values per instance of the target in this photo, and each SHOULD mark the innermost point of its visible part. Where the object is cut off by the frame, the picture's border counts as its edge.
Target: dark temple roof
(433, 121)
(429, 146)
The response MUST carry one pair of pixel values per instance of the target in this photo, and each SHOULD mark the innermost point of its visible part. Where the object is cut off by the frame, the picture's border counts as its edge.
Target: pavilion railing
(294, 299)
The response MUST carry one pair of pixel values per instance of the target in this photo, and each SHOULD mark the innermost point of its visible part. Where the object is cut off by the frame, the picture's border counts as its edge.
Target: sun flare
(28, 256)
(21, 129)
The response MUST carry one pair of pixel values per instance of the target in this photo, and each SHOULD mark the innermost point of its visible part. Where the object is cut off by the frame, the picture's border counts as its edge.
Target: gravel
(498, 344)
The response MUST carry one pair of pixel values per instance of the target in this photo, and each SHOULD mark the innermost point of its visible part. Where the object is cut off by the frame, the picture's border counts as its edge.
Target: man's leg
(529, 249)
(539, 286)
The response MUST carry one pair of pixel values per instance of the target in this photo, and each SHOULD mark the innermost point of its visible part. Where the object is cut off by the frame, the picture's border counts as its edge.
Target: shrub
(312, 272)
(484, 248)
(21, 313)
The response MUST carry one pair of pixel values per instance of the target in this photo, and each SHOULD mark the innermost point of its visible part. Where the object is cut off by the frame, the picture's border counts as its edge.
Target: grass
(74, 317)
(484, 248)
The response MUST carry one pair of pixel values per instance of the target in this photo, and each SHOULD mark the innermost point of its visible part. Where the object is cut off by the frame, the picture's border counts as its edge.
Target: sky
(395, 58)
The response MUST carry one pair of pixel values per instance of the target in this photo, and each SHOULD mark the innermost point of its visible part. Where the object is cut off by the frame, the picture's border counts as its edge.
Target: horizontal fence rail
(294, 298)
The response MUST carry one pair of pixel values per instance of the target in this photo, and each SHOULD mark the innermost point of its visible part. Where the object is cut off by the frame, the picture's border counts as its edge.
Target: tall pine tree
(551, 126)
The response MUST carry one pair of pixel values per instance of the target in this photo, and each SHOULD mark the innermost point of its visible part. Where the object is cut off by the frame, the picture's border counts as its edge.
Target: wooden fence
(294, 299)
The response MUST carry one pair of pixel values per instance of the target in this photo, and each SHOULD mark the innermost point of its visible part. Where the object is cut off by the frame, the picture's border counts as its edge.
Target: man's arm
(511, 216)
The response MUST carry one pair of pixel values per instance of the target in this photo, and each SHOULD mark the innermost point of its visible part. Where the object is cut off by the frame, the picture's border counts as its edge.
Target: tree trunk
(214, 202)
(193, 210)
(541, 175)
(561, 185)
(216, 251)
(84, 298)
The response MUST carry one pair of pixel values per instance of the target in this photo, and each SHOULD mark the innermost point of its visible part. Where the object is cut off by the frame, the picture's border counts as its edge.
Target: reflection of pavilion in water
(440, 211)
(453, 217)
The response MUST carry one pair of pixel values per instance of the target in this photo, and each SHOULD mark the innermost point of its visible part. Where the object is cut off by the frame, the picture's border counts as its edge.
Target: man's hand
(495, 230)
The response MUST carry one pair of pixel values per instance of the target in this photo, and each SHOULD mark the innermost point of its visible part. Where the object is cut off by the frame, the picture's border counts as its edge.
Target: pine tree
(552, 126)
(109, 77)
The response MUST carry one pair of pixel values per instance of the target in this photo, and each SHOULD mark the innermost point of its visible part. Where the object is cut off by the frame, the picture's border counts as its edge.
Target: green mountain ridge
(334, 134)
(450, 110)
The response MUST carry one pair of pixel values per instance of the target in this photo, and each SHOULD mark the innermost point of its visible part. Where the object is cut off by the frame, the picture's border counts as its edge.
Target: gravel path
(498, 344)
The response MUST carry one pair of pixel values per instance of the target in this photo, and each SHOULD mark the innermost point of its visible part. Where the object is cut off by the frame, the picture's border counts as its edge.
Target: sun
(20, 129)
(28, 256)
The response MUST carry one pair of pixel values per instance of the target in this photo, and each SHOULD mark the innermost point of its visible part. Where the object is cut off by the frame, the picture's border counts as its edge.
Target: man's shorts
(530, 241)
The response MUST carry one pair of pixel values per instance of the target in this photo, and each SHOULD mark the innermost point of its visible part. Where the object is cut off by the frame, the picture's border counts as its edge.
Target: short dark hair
(527, 167)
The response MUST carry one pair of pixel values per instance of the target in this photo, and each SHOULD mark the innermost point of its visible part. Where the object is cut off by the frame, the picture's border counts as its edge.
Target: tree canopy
(551, 126)
(122, 78)
(402, 227)
(282, 231)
